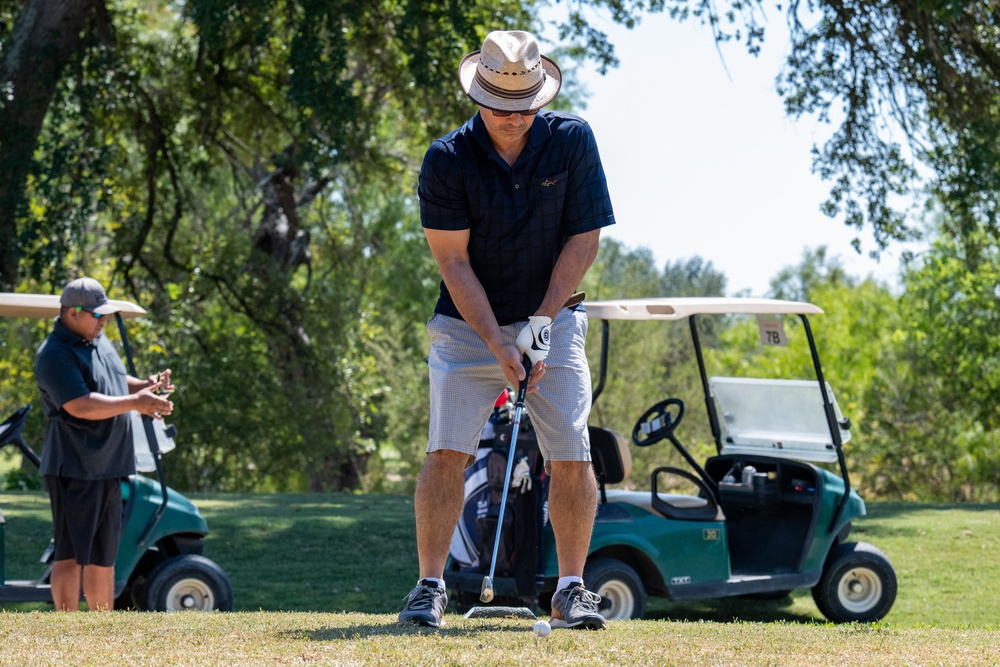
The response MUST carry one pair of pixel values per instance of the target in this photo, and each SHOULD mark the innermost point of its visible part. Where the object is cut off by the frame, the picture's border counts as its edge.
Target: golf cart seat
(610, 457)
(677, 506)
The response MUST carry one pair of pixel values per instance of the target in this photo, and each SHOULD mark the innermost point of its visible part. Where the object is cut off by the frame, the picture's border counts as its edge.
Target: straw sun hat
(509, 73)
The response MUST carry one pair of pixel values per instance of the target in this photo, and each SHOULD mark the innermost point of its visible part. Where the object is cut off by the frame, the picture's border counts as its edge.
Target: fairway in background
(357, 553)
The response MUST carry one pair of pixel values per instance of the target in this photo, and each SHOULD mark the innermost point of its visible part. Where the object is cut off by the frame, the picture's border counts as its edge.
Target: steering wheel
(11, 427)
(658, 422)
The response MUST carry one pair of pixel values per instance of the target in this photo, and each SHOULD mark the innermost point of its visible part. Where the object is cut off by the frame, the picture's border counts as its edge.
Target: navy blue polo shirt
(68, 367)
(519, 217)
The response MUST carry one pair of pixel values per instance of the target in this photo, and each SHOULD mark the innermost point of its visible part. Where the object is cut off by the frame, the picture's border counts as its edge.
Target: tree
(816, 269)
(903, 82)
(248, 171)
(935, 398)
(44, 39)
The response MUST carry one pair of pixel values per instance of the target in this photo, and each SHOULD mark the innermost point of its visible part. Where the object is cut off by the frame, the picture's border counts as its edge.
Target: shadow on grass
(731, 610)
(357, 631)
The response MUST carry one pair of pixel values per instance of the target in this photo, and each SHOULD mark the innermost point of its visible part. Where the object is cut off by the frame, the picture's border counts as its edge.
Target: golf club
(486, 594)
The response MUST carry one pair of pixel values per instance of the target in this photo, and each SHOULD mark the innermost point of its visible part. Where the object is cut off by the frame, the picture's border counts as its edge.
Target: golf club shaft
(518, 409)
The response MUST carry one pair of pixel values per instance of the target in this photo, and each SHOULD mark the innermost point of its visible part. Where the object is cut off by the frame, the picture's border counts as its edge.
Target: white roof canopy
(46, 306)
(678, 308)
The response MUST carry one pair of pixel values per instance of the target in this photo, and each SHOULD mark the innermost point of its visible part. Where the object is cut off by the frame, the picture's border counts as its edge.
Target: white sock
(428, 580)
(566, 582)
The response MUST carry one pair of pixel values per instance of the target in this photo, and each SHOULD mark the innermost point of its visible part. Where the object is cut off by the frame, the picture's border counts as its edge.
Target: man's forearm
(574, 261)
(471, 300)
(96, 406)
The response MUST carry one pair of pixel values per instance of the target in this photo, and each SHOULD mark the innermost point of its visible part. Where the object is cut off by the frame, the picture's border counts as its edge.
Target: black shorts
(86, 519)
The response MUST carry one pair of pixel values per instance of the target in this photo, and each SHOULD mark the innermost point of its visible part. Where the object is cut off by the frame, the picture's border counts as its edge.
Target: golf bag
(519, 554)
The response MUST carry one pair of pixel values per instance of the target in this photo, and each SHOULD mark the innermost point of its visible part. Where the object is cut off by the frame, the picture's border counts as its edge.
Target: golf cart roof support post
(831, 420)
(154, 445)
(713, 416)
(605, 338)
(125, 344)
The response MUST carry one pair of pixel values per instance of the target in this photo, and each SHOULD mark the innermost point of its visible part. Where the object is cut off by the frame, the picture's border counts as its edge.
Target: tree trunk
(45, 38)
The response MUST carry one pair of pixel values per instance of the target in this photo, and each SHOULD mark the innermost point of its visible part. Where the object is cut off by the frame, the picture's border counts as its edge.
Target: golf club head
(486, 594)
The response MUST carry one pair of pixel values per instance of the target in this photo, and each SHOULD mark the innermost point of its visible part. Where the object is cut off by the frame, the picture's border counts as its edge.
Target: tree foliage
(903, 83)
(246, 171)
(933, 403)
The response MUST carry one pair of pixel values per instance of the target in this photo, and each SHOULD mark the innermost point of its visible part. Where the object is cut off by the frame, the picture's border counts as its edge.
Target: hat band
(506, 94)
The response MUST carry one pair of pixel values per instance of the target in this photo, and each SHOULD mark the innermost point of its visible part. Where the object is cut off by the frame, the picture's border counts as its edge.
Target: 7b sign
(772, 331)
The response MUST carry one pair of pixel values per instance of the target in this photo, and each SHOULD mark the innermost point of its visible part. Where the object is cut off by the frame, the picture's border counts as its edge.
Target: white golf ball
(542, 628)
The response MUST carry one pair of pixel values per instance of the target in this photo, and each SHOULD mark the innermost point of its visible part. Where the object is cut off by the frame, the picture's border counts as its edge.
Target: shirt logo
(548, 183)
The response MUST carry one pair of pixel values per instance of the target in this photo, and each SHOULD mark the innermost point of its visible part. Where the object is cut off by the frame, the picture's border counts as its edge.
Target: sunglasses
(504, 114)
(97, 316)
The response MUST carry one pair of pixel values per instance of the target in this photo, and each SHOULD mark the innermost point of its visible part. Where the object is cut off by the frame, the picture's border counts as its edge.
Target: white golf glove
(534, 338)
(521, 478)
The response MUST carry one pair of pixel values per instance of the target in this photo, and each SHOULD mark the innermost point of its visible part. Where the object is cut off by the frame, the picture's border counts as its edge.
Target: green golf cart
(160, 566)
(769, 513)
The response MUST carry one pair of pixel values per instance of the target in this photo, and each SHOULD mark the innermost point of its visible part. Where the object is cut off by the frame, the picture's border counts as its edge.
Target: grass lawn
(300, 638)
(318, 579)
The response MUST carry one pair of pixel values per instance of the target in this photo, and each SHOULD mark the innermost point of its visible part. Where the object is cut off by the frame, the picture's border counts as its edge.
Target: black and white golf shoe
(576, 607)
(425, 605)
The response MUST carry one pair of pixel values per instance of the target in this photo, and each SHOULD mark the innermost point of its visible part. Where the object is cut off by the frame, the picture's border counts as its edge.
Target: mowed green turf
(301, 638)
(318, 579)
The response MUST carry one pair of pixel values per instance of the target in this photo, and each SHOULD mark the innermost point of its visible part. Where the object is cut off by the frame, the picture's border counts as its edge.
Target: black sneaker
(425, 605)
(576, 607)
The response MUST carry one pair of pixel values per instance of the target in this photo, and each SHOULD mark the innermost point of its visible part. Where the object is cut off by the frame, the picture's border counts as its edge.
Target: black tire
(858, 584)
(623, 595)
(188, 583)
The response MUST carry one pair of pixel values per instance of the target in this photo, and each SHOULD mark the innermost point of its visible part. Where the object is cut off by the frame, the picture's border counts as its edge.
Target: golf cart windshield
(781, 418)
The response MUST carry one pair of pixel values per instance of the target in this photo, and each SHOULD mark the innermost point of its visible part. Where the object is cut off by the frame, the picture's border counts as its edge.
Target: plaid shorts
(465, 380)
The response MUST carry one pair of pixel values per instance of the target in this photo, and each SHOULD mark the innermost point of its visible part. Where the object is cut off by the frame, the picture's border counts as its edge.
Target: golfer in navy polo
(86, 396)
(512, 204)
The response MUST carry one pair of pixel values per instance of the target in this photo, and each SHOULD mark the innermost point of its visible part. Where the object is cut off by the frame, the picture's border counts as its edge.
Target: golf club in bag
(486, 594)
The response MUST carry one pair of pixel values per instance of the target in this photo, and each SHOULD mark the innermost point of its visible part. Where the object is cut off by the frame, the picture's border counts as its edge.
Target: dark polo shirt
(68, 367)
(519, 217)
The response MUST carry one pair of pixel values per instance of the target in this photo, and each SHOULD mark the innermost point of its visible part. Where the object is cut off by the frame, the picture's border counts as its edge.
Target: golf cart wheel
(858, 584)
(622, 594)
(188, 583)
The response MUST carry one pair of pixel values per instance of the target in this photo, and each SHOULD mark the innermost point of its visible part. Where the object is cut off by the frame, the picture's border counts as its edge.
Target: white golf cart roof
(774, 417)
(46, 306)
(678, 308)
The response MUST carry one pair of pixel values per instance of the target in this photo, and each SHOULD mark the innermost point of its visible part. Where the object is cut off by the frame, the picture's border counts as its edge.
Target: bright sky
(704, 163)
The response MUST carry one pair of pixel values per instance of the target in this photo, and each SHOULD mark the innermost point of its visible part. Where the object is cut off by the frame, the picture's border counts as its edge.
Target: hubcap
(190, 595)
(617, 600)
(860, 589)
